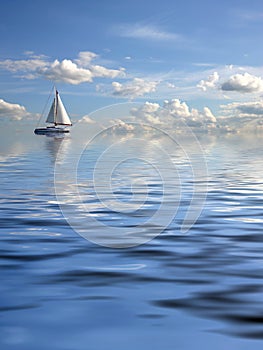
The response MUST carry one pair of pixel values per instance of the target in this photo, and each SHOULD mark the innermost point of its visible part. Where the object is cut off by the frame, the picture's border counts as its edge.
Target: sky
(198, 60)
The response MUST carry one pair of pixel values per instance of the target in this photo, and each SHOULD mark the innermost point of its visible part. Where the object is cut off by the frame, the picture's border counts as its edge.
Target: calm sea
(138, 279)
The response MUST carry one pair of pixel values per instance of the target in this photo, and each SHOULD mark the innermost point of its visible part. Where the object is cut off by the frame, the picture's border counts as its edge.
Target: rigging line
(41, 116)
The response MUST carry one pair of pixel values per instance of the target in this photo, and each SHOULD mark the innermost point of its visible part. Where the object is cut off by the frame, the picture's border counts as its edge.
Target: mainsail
(58, 114)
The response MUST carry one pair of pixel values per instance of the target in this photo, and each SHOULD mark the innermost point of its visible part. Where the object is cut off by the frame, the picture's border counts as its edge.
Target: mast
(56, 106)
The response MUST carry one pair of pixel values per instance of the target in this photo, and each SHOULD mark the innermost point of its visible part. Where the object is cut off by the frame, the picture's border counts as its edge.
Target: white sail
(58, 114)
(61, 115)
(51, 114)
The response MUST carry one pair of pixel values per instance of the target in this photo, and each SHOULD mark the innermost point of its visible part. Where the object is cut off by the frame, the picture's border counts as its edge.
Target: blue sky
(206, 54)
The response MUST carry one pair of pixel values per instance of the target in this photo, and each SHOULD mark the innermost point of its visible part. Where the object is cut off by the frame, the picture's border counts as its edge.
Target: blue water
(199, 289)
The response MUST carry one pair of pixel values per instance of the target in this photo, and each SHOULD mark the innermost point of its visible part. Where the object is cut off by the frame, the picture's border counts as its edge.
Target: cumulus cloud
(244, 109)
(147, 32)
(208, 116)
(135, 88)
(176, 108)
(148, 111)
(174, 114)
(85, 57)
(210, 82)
(242, 116)
(66, 71)
(243, 83)
(13, 110)
(121, 127)
(80, 70)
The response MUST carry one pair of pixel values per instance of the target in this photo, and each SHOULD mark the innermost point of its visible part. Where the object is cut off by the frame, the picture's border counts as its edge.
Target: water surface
(202, 289)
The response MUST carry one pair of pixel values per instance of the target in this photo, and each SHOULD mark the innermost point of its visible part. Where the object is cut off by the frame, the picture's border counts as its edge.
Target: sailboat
(57, 118)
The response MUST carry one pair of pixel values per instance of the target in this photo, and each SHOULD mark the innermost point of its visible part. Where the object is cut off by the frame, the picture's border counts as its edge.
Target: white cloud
(210, 82)
(102, 72)
(147, 32)
(244, 109)
(148, 111)
(135, 88)
(81, 70)
(186, 82)
(242, 116)
(208, 116)
(66, 71)
(121, 127)
(149, 107)
(87, 119)
(85, 57)
(13, 110)
(30, 65)
(176, 108)
(243, 83)
(174, 114)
